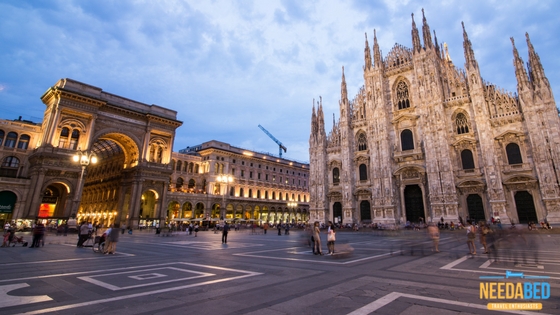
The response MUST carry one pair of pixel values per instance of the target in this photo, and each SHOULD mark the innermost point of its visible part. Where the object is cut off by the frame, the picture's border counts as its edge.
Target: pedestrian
(287, 229)
(471, 236)
(433, 232)
(317, 239)
(123, 228)
(331, 238)
(225, 230)
(279, 226)
(83, 235)
(483, 231)
(265, 227)
(195, 229)
(38, 233)
(113, 238)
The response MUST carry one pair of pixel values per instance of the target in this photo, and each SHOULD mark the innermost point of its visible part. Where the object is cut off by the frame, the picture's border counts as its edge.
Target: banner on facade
(7, 201)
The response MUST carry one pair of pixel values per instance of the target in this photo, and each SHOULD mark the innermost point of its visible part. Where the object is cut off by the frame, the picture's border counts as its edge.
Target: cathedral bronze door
(337, 212)
(365, 211)
(413, 203)
(476, 208)
(525, 207)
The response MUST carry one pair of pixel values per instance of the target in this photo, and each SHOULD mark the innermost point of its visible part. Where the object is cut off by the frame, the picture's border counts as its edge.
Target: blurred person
(316, 239)
(484, 230)
(331, 237)
(471, 236)
(225, 230)
(113, 238)
(433, 232)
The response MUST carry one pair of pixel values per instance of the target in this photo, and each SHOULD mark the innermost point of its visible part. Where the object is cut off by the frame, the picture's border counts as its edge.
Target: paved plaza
(381, 272)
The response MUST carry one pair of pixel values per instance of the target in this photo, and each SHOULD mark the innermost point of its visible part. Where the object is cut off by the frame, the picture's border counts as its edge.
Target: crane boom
(280, 145)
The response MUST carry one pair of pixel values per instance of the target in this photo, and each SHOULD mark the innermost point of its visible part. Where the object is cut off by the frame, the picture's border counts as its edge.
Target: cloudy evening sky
(228, 66)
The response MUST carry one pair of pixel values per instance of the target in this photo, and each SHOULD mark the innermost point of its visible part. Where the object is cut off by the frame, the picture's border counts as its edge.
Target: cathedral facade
(424, 140)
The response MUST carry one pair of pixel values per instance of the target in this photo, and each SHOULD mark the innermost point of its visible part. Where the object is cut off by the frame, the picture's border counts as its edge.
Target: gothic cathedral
(424, 140)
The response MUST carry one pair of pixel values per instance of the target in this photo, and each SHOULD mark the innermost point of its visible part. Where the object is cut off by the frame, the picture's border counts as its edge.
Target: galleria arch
(132, 142)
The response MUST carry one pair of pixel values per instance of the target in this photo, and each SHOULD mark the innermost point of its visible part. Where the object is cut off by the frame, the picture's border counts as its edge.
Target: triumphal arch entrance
(131, 143)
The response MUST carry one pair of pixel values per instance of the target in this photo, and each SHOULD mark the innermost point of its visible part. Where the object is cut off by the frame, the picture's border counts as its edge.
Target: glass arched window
(74, 139)
(11, 139)
(336, 176)
(64, 133)
(191, 183)
(407, 140)
(258, 194)
(273, 195)
(241, 192)
(513, 154)
(461, 123)
(231, 191)
(402, 96)
(23, 142)
(363, 172)
(467, 160)
(362, 142)
(178, 165)
(250, 193)
(266, 194)
(179, 184)
(9, 166)
(1, 137)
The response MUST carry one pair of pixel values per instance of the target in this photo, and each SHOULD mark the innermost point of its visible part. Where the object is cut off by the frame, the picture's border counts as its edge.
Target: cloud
(226, 66)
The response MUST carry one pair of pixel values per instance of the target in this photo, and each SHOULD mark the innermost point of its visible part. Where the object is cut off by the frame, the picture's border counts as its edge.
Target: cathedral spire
(367, 56)
(536, 70)
(377, 61)
(426, 34)
(343, 91)
(416, 46)
(314, 126)
(520, 73)
(321, 117)
(436, 45)
(470, 61)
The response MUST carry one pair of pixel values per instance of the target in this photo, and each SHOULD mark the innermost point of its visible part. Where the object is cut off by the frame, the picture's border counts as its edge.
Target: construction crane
(280, 145)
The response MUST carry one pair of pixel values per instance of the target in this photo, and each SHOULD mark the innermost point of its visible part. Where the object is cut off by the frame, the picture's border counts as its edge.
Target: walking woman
(317, 239)
(331, 237)
(471, 236)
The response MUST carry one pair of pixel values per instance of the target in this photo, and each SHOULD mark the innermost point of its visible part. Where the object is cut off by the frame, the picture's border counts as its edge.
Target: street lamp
(84, 158)
(224, 179)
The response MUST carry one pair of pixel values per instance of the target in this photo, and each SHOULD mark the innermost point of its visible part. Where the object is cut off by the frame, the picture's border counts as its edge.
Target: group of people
(110, 236)
(316, 238)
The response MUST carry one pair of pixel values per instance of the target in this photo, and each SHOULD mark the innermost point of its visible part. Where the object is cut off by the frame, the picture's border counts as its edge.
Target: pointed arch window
(513, 154)
(363, 172)
(336, 176)
(402, 95)
(362, 142)
(467, 159)
(461, 123)
(407, 140)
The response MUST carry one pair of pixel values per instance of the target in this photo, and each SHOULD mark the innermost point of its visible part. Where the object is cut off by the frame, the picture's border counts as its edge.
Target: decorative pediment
(361, 159)
(362, 192)
(465, 142)
(518, 179)
(335, 163)
(510, 136)
(404, 117)
(410, 171)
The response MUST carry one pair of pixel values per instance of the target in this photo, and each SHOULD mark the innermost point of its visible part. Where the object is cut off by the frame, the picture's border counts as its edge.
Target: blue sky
(228, 66)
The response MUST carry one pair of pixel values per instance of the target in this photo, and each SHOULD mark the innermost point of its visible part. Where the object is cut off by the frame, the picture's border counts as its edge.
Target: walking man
(225, 231)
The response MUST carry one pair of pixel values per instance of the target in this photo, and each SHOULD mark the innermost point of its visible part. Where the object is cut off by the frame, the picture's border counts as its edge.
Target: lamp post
(224, 179)
(292, 205)
(84, 158)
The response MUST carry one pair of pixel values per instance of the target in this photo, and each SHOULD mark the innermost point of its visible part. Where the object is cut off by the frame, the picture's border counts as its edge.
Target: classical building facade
(425, 139)
(261, 187)
(138, 179)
